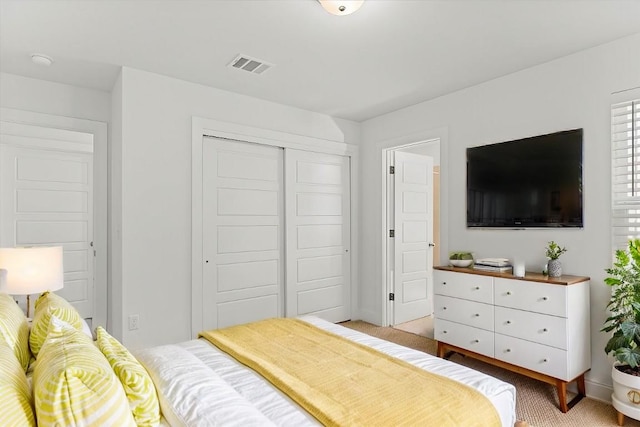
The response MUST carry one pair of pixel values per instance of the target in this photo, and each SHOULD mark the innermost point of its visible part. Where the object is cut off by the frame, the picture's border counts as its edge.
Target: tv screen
(530, 182)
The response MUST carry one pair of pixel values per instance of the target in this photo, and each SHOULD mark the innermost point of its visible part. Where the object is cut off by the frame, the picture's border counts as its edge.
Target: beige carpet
(536, 402)
(422, 326)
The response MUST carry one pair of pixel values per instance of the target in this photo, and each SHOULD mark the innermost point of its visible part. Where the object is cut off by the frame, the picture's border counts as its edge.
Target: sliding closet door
(318, 230)
(243, 232)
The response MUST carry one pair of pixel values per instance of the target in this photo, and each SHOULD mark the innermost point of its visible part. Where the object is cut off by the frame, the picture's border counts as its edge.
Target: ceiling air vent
(252, 65)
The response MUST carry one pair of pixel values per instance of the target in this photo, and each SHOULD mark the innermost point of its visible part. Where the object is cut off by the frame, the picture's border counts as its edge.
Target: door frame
(103, 303)
(203, 127)
(409, 141)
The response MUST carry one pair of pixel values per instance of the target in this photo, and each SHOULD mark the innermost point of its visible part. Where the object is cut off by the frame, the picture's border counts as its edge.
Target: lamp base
(28, 305)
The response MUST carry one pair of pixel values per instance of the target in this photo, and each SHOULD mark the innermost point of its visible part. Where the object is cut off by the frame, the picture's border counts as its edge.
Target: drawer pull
(444, 283)
(508, 322)
(545, 360)
(508, 350)
(477, 315)
(545, 330)
(444, 332)
(476, 341)
(477, 288)
(508, 292)
(444, 308)
(544, 298)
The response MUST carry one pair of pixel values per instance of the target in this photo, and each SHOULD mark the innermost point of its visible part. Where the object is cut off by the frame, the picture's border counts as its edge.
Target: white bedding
(198, 385)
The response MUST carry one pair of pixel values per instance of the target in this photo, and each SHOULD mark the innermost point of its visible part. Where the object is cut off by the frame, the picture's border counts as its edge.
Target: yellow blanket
(342, 383)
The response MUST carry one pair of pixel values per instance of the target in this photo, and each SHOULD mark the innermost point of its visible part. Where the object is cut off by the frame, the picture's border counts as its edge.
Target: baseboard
(598, 391)
(369, 316)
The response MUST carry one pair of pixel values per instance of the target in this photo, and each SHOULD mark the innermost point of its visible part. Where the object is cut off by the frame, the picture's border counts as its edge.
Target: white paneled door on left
(318, 235)
(242, 232)
(46, 188)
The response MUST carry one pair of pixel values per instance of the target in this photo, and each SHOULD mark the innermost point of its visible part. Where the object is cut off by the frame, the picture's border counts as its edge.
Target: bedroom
(149, 117)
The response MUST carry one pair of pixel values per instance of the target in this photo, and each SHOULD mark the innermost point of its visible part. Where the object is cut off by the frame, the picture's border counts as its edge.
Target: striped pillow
(136, 381)
(73, 383)
(47, 305)
(14, 329)
(15, 399)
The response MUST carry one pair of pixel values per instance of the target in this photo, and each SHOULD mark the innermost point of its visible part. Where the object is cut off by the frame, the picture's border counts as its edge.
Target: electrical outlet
(134, 319)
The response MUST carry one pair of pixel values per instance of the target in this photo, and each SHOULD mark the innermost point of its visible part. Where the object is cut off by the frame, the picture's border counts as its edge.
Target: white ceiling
(389, 54)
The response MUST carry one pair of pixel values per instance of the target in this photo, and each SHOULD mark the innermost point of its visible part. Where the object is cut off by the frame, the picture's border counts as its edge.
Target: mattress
(198, 385)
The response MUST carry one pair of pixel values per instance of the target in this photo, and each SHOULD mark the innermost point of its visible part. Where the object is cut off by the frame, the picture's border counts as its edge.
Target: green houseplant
(553, 252)
(624, 305)
(624, 324)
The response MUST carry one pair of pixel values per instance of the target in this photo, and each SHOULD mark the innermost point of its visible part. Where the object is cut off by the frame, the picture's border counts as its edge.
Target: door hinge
(392, 233)
(392, 170)
(392, 296)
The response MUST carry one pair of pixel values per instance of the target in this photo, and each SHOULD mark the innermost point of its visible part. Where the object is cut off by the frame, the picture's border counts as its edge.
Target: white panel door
(413, 186)
(318, 235)
(47, 200)
(243, 232)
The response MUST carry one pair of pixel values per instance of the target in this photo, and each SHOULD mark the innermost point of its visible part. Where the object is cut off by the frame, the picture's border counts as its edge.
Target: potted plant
(553, 252)
(461, 259)
(624, 323)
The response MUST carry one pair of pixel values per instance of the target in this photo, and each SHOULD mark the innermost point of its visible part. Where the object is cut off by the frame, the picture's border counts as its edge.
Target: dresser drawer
(531, 296)
(537, 357)
(468, 286)
(536, 327)
(467, 337)
(463, 311)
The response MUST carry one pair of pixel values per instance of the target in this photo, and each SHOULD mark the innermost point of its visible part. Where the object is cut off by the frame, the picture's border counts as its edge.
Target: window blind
(625, 155)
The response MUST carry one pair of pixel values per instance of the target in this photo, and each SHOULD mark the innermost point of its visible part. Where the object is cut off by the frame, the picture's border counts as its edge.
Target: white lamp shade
(341, 7)
(31, 270)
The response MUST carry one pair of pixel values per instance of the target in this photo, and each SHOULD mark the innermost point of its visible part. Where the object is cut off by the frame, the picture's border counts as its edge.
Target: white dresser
(535, 325)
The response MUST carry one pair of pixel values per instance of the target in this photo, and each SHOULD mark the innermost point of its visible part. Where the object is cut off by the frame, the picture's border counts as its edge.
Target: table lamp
(31, 270)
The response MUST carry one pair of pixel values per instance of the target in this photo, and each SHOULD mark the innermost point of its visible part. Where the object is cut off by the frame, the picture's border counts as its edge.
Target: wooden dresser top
(565, 279)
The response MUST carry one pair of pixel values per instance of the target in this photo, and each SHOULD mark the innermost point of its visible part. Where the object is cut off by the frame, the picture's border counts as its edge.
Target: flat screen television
(526, 183)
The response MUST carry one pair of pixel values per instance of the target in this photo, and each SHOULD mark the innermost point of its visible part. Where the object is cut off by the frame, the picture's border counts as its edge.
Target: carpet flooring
(536, 402)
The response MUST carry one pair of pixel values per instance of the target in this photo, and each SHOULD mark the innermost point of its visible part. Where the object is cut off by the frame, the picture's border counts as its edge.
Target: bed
(56, 373)
(198, 384)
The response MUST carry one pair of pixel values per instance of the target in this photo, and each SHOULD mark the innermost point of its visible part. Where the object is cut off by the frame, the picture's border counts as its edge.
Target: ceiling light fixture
(40, 59)
(341, 7)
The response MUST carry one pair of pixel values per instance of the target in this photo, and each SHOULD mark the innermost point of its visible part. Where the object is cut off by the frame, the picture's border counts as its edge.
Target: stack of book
(498, 265)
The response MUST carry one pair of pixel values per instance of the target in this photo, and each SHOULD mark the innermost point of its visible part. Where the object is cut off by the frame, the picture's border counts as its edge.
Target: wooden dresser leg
(562, 395)
(620, 418)
(581, 388)
(441, 348)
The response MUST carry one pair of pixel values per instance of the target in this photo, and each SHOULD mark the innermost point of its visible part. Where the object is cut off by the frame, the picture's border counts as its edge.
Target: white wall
(115, 325)
(571, 92)
(39, 96)
(155, 194)
(429, 148)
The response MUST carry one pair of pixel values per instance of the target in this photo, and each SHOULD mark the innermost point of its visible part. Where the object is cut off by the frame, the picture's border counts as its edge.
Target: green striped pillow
(73, 383)
(15, 399)
(14, 329)
(136, 381)
(50, 304)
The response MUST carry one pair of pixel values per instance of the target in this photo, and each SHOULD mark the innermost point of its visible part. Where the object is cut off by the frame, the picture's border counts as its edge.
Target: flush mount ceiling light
(40, 59)
(341, 7)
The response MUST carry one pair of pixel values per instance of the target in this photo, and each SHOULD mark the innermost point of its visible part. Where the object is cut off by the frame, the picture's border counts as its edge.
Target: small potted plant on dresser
(553, 252)
(624, 322)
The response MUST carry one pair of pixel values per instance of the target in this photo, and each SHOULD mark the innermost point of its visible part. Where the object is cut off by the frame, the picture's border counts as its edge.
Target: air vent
(252, 65)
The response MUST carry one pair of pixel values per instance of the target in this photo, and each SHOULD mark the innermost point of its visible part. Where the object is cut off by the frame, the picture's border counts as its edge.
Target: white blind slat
(625, 170)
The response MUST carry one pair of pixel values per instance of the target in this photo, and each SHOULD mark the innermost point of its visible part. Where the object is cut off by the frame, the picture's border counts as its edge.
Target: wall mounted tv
(526, 183)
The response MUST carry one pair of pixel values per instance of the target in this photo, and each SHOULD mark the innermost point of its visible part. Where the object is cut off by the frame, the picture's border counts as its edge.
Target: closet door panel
(243, 232)
(318, 235)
